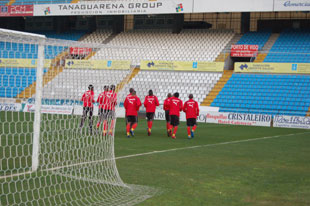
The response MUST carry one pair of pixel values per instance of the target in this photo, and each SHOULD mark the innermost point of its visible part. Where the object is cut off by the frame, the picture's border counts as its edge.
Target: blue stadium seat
(285, 94)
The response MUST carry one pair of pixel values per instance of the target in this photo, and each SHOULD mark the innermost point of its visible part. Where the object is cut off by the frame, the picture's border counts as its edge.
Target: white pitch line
(157, 152)
(208, 145)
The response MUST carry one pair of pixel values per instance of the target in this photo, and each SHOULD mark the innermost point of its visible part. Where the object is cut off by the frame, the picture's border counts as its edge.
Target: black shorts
(191, 122)
(174, 120)
(106, 114)
(167, 115)
(131, 119)
(150, 116)
(88, 109)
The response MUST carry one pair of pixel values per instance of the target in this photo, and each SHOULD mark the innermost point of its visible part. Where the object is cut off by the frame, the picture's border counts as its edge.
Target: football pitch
(223, 165)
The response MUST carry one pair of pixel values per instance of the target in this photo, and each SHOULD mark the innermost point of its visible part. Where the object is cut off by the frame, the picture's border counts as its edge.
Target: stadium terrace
(109, 6)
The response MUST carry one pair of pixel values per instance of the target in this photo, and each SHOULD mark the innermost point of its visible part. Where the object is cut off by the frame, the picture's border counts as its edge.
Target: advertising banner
(10, 107)
(183, 66)
(244, 50)
(291, 5)
(78, 110)
(291, 122)
(239, 119)
(80, 51)
(97, 64)
(285, 68)
(160, 115)
(25, 63)
(115, 8)
(16, 10)
(50, 109)
(232, 6)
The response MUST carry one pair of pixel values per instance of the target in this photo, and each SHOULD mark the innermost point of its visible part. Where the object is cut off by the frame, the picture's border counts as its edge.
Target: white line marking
(155, 152)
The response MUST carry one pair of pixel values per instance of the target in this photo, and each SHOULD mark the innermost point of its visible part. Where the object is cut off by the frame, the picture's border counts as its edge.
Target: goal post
(57, 151)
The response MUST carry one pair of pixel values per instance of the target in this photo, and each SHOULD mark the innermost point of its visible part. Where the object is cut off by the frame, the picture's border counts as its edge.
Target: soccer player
(132, 104)
(176, 105)
(88, 107)
(167, 115)
(191, 110)
(111, 102)
(150, 103)
(101, 100)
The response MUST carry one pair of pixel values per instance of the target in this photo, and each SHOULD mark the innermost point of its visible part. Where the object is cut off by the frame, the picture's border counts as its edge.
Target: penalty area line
(155, 152)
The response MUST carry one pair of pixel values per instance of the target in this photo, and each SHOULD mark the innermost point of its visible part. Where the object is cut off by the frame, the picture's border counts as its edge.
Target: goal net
(57, 142)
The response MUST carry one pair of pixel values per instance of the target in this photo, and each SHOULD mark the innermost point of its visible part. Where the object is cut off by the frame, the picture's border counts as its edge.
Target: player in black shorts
(167, 115)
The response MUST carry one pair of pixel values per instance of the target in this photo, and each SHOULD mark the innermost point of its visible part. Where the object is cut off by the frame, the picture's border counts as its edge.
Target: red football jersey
(191, 109)
(132, 105)
(176, 105)
(150, 103)
(110, 100)
(88, 99)
(101, 99)
(167, 104)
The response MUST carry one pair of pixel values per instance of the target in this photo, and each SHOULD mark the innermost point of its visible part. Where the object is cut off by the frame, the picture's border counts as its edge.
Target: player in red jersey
(150, 103)
(191, 110)
(167, 115)
(176, 105)
(100, 100)
(88, 106)
(109, 110)
(132, 104)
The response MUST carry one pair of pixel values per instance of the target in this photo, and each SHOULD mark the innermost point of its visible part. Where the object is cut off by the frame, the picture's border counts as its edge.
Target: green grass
(268, 172)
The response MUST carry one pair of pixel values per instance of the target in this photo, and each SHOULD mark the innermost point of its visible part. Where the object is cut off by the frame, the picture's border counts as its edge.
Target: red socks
(194, 128)
(188, 131)
(149, 124)
(128, 128)
(105, 125)
(134, 126)
(175, 130)
(168, 125)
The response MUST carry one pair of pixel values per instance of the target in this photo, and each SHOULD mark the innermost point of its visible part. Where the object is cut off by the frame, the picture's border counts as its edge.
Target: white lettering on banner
(292, 122)
(239, 119)
(115, 8)
(10, 107)
(50, 109)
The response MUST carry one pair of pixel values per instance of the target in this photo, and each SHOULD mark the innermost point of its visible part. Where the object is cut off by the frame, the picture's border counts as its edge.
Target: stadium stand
(98, 36)
(4, 2)
(14, 80)
(161, 82)
(292, 46)
(189, 45)
(72, 83)
(265, 93)
(255, 38)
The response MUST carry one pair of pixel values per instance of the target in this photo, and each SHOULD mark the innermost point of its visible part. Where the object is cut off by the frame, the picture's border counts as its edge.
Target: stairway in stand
(217, 88)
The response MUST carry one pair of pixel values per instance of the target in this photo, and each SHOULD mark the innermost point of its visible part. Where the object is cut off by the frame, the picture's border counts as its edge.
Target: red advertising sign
(80, 51)
(244, 50)
(16, 10)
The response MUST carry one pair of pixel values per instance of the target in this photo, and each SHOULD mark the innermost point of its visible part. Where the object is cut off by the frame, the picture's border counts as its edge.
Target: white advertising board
(50, 109)
(292, 122)
(10, 107)
(78, 110)
(232, 5)
(160, 115)
(239, 119)
(291, 5)
(115, 8)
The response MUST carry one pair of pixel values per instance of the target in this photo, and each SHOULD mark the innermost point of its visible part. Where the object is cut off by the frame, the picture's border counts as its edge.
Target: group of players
(107, 101)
